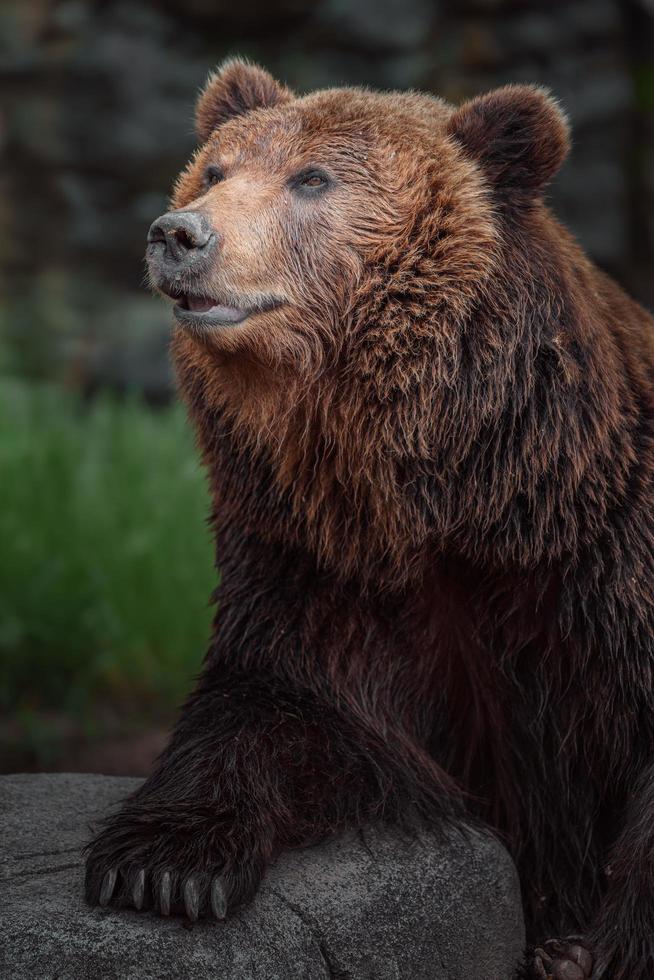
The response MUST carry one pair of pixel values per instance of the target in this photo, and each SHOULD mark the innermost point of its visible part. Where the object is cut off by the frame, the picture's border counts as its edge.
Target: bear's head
(303, 226)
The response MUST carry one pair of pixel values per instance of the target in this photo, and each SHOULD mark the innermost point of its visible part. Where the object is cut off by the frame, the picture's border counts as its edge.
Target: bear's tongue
(218, 312)
(199, 304)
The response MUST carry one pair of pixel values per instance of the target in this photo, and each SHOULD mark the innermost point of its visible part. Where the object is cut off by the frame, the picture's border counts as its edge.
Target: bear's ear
(518, 135)
(235, 88)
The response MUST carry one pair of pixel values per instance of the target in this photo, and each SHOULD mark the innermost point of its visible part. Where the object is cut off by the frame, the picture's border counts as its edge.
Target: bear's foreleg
(300, 726)
(197, 836)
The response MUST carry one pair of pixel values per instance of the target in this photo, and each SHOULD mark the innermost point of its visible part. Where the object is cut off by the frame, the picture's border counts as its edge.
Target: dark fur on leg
(253, 767)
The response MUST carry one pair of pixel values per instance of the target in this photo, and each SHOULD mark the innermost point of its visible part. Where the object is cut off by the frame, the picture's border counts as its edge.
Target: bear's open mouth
(206, 308)
(210, 312)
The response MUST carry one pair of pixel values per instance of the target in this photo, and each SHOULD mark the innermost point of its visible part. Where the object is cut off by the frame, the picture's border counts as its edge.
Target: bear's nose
(183, 234)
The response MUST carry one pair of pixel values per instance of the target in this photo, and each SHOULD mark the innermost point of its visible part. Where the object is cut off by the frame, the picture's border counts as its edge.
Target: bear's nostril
(156, 234)
(185, 238)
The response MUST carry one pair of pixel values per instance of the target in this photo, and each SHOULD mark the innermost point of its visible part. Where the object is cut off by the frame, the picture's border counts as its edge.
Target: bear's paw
(199, 867)
(563, 959)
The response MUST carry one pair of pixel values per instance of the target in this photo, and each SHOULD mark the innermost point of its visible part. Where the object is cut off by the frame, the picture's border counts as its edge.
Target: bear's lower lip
(201, 310)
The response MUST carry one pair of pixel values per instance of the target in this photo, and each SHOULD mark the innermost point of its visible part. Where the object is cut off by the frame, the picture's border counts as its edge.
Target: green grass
(105, 556)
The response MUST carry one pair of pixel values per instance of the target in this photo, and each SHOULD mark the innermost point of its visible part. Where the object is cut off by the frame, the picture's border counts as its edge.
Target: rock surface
(364, 906)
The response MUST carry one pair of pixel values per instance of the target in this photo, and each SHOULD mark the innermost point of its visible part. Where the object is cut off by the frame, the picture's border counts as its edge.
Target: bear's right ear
(235, 88)
(517, 134)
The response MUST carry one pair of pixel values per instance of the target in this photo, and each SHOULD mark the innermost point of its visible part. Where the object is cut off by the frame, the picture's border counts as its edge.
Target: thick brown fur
(432, 470)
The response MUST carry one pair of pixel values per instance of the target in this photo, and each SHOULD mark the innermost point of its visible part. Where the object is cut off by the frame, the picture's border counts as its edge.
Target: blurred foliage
(106, 568)
(86, 335)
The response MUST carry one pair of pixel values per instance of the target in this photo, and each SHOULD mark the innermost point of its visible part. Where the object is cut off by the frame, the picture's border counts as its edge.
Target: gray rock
(371, 905)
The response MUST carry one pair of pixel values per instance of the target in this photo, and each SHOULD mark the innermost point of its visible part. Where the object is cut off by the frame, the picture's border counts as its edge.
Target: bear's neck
(303, 465)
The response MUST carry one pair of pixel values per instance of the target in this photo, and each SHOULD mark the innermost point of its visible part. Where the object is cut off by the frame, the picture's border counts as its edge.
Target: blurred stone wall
(97, 99)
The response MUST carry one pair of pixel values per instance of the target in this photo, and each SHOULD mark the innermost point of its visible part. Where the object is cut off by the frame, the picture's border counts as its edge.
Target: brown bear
(428, 425)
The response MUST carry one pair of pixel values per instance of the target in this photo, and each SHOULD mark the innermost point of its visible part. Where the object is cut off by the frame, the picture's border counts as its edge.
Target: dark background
(99, 635)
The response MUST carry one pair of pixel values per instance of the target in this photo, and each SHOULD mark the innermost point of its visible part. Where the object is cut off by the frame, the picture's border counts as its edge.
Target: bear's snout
(181, 241)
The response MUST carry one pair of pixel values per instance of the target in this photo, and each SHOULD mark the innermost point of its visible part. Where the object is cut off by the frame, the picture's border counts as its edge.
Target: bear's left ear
(235, 88)
(518, 135)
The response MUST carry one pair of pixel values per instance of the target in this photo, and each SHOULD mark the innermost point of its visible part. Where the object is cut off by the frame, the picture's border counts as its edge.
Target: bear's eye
(310, 182)
(315, 180)
(213, 175)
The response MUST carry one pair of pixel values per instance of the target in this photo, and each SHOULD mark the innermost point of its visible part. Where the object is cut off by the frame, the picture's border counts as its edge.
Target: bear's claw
(191, 894)
(164, 894)
(191, 899)
(568, 959)
(138, 889)
(218, 899)
(108, 885)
